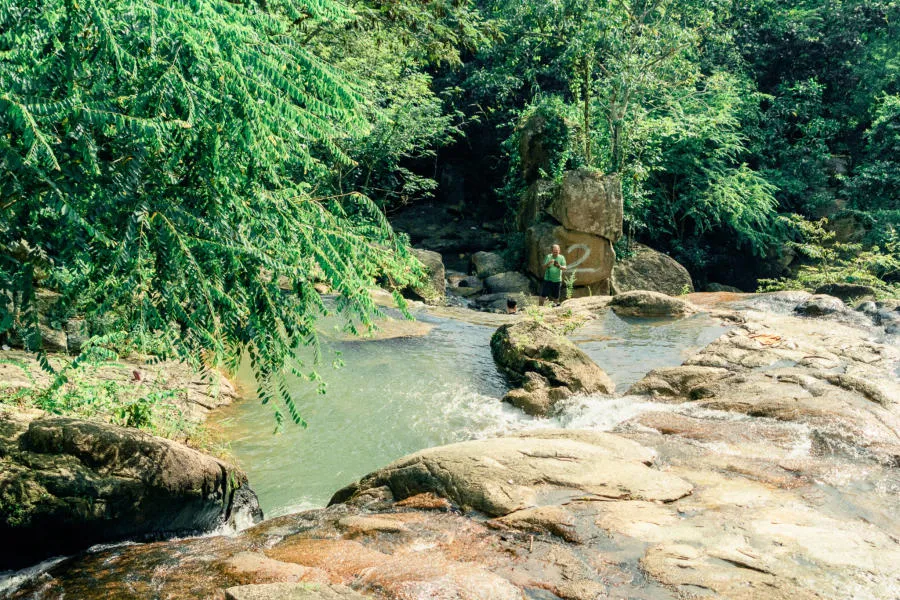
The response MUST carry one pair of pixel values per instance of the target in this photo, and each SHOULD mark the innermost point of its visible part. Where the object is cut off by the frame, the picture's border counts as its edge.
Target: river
(397, 396)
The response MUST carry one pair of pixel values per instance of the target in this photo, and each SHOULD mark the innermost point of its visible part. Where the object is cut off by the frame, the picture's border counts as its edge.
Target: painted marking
(587, 252)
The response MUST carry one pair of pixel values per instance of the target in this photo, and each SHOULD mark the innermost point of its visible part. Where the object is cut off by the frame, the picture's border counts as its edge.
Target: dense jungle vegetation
(171, 168)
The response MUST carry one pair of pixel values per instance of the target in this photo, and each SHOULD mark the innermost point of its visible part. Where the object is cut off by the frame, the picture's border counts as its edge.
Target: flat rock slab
(292, 591)
(500, 476)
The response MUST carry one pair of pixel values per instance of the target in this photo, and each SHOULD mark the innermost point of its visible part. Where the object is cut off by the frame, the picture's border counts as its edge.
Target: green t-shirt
(554, 273)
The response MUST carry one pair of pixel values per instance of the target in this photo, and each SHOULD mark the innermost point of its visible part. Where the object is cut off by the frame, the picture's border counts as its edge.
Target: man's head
(554, 249)
(512, 307)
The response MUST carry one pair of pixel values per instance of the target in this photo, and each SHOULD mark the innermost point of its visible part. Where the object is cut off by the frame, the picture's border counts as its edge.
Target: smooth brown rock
(589, 202)
(257, 567)
(589, 257)
(292, 591)
(432, 289)
(647, 269)
(642, 303)
(677, 382)
(529, 346)
(501, 476)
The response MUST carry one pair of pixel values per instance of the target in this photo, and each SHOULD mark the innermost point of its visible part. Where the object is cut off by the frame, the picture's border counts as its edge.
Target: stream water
(397, 396)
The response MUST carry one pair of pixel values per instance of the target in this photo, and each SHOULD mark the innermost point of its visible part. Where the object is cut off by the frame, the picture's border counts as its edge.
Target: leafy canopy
(161, 159)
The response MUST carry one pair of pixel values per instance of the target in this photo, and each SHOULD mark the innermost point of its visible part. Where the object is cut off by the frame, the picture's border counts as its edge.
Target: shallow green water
(397, 396)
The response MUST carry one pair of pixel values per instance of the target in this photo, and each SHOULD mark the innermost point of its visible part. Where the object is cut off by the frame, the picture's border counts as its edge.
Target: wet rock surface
(766, 466)
(66, 484)
(549, 366)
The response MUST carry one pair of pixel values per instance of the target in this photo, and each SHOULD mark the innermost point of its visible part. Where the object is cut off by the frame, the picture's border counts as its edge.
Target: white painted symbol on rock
(587, 253)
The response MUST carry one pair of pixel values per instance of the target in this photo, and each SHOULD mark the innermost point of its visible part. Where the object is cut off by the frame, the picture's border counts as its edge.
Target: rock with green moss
(66, 484)
(432, 290)
(548, 366)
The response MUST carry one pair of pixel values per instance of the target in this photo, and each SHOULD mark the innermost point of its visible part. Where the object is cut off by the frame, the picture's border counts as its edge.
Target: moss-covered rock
(529, 348)
(66, 484)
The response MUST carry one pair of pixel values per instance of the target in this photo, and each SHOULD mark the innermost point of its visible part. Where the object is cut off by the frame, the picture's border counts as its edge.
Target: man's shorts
(550, 289)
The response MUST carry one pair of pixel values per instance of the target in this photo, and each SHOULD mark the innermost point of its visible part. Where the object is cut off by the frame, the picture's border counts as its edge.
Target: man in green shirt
(554, 266)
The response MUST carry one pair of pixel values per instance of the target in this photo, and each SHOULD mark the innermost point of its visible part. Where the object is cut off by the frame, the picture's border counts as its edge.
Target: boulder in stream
(643, 303)
(66, 484)
(848, 292)
(549, 366)
(511, 281)
(486, 264)
(432, 290)
(500, 476)
(821, 305)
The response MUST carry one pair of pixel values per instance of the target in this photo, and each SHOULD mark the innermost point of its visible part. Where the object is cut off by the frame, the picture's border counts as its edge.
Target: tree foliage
(163, 158)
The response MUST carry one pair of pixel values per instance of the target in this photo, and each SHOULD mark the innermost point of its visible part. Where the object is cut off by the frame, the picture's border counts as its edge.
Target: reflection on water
(397, 396)
(628, 348)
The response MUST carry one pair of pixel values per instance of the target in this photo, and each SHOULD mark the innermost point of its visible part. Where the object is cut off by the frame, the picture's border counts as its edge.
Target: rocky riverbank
(67, 483)
(767, 468)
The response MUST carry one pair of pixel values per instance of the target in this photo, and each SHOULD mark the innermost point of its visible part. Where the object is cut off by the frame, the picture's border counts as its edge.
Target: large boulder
(821, 305)
(66, 484)
(486, 264)
(848, 292)
(829, 307)
(536, 396)
(497, 302)
(432, 290)
(642, 303)
(534, 200)
(590, 257)
(500, 476)
(590, 202)
(647, 269)
(532, 347)
(511, 281)
(466, 286)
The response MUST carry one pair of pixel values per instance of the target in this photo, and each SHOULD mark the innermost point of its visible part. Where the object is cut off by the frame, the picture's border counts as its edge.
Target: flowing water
(397, 396)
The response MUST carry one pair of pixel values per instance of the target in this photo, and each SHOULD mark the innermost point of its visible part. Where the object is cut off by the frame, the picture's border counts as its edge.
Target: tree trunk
(586, 82)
